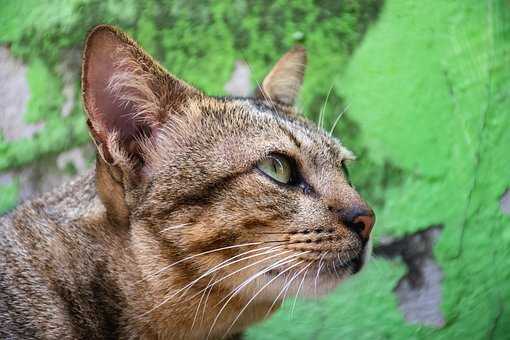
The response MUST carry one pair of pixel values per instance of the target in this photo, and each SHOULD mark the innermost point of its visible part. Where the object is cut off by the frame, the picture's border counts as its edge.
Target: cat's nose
(359, 220)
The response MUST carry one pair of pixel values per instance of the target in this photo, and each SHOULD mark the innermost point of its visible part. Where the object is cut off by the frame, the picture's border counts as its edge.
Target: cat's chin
(309, 286)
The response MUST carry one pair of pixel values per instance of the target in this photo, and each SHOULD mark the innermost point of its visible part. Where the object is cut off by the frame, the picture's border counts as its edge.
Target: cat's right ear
(284, 81)
(127, 95)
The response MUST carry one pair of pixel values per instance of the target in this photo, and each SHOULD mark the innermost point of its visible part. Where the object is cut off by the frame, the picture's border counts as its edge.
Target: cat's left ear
(284, 81)
(127, 95)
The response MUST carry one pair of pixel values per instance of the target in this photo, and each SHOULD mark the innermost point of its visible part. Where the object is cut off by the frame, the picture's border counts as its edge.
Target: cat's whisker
(259, 273)
(233, 293)
(258, 292)
(299, 289)
(338, 119)
(198, 307)
(178, 226)
(209, 287)
(189, 285)
(323, 109)
(243, 268)
(286, 286)
(196, 255)
(334, 268)
(287, 289)
(319, 270)
(226, 263)
(205, 303)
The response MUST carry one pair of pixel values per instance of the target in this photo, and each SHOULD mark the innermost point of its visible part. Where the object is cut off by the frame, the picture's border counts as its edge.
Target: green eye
(277, 167)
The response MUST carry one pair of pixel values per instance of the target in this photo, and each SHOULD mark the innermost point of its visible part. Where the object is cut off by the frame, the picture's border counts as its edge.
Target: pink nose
(361, 221)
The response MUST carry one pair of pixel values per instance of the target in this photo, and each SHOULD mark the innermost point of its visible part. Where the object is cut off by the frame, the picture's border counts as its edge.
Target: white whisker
(226, 263)
(334, 268)
(318, 271)
(254, 276)
(198, 307)
(189, 285)
(338, 119)
(323, 109)
(258, 292)
(297, 293)
(248, 266)
(285, 287)
(196, 255)
(234, 292)
(205, 302)
(178, 226)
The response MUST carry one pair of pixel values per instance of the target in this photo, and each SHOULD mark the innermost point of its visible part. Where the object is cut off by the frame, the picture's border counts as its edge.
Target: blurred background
(423, 90)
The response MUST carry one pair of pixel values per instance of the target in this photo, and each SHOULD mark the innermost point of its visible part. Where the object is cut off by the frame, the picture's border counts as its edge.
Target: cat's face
(235, 195)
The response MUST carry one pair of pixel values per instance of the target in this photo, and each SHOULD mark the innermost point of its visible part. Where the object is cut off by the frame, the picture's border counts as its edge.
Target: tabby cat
(202, 212)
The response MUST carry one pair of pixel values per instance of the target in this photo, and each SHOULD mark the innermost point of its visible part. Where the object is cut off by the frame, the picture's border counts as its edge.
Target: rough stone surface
(67, 72)
(505, 203)
(421, 303)
(239, 84)
(49, 172)
(419, 290)
(14, 98)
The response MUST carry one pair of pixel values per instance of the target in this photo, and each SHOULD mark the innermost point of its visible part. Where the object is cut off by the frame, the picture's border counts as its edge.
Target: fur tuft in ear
(284, 81)
(127, 95)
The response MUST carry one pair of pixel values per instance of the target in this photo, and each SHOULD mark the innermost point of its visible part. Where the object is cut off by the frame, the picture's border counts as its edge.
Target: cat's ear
(127, 95)
(284, 81)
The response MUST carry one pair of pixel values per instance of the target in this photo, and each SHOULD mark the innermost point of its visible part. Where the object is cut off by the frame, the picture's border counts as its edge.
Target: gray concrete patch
(15, 93)
(67, 71)
(419, 290)
(504, 203)
(239, 84)
(49, 172)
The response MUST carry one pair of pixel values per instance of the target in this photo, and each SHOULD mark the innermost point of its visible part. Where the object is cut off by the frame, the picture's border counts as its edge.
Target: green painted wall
(427, 92)
(429, 89)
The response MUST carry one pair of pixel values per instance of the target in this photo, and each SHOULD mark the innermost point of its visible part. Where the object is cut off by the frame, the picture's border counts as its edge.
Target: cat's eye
(278, 167)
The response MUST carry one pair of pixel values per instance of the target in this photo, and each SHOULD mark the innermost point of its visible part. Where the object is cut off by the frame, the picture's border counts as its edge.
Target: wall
(425, 91)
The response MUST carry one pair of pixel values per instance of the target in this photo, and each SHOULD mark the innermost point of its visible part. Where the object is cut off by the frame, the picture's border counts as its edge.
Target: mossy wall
(425, 86)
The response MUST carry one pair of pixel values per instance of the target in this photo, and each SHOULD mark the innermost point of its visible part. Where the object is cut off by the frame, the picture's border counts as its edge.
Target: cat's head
(220, 190)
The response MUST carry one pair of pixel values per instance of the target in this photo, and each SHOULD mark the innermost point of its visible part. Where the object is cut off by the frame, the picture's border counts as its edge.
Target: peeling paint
(239, 84)
(419, 290)
(505, 202)
(14, 98)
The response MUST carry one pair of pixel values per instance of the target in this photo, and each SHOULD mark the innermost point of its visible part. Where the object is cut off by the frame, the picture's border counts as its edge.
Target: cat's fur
(107, 256)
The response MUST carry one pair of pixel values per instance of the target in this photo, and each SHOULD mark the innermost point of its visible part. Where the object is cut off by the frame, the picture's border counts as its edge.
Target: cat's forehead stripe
(291, 136)
(294, 132)
(300, 132)
(320, 149)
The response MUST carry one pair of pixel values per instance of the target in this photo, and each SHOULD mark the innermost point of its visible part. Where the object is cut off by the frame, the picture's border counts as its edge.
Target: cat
(201, 214)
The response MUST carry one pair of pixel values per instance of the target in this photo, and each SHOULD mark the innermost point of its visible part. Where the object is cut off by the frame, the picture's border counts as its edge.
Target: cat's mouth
(319, 275)
(334, 267)
(310, 279)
